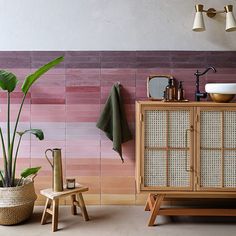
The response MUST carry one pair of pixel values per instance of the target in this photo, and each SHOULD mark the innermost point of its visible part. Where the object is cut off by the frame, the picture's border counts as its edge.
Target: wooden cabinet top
(185, 104)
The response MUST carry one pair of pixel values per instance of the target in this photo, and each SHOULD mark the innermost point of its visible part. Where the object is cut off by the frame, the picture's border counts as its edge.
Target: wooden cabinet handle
(186, 151)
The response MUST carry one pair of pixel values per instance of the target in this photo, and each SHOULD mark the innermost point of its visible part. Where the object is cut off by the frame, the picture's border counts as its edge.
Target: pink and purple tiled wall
(67, 101)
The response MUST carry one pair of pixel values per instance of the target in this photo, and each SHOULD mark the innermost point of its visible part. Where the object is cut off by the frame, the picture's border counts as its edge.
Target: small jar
(70, 183)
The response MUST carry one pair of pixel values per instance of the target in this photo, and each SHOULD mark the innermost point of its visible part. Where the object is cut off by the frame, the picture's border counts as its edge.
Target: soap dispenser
(180, 92)
(170, 91)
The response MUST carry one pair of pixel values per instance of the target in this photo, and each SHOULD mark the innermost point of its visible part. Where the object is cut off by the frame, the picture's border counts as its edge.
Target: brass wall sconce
(199, 26)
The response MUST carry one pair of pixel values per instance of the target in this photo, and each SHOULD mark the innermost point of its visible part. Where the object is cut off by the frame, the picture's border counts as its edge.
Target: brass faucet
(198, 94)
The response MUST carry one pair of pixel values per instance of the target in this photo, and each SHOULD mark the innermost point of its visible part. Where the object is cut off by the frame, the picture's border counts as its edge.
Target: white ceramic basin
(221, 88)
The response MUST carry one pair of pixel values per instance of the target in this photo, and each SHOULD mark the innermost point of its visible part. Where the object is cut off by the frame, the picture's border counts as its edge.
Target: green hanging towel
(113, 121)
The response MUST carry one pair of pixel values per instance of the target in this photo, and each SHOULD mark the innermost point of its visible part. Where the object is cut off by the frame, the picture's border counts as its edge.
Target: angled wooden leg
(73, 202)
(150, 202)
(45, 213)
(55, 204)
(82, 207)
(155, 209)
(147, 208)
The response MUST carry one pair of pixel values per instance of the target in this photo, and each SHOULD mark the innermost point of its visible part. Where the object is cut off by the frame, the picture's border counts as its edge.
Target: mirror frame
(150, 78)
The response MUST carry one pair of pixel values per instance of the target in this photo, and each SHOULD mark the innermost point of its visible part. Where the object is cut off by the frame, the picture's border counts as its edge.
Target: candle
(70, 183)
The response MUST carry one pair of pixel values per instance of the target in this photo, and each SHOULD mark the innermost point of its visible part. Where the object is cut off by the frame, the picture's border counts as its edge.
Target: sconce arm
(213, 11)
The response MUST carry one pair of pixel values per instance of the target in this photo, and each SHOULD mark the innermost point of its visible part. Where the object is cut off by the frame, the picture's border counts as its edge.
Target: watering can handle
(47, 156)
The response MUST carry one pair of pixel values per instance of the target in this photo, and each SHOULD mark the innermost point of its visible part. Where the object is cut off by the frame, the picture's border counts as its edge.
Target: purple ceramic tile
(121, 59)
(188, 59)
(82, 89)
(153, 59)
(16, 54)
(82, 77)
(48, 101)
(71, 54)
(82, 59)
(126, 77)
(221, 59)
(39, 58)
(14, 60)
(83, 97)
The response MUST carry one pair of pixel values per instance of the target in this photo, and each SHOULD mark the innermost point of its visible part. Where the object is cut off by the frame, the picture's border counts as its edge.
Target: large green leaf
(30, 171)
(37, 132)
(38, 73)
(8, 81)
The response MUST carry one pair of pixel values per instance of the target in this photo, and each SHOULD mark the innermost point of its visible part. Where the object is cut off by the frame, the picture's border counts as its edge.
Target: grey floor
(122, 220)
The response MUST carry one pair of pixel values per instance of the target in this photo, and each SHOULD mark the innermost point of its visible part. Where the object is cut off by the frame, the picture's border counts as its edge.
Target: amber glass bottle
(180, 92)
(170, 91)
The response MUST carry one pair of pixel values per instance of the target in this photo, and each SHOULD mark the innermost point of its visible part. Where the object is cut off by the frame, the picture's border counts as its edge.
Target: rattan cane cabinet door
(217, 149)
(167, 148)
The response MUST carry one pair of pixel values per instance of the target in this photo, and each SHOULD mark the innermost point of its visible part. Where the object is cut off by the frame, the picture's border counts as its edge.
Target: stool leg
(73, 207)
(83, 207)
(45, 213)
(55, 205)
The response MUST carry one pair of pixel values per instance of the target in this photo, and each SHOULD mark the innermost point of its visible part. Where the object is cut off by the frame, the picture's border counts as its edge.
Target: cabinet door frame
(142, 148)
(198, 150)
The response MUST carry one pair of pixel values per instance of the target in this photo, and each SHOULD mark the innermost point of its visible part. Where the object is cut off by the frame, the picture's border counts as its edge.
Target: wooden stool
(53, 198)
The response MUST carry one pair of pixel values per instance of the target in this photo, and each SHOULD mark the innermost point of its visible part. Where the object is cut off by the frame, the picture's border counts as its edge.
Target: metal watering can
(57, 177)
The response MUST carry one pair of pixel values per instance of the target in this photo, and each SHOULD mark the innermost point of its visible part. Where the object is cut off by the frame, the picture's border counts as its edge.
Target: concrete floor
(124, 221)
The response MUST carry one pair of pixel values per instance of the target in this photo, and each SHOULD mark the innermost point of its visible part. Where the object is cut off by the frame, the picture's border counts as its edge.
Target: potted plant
(17, 195)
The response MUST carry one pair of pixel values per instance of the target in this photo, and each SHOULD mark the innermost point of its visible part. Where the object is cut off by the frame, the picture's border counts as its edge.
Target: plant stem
(14, 165)
(19, 181)
(4, 159)
(14, 134)
(8, 134)
(3, 181)
(8, 122)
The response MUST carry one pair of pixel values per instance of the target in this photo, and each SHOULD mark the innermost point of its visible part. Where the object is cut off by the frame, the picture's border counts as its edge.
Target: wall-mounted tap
(198, 94)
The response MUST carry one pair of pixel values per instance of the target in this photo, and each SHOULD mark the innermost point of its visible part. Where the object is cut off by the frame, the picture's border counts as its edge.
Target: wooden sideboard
(188, 150)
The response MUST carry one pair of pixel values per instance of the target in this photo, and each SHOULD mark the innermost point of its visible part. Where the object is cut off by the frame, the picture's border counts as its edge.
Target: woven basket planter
(16, 203)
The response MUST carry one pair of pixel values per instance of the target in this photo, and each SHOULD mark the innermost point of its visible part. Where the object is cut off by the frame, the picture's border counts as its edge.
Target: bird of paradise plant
(8, 82)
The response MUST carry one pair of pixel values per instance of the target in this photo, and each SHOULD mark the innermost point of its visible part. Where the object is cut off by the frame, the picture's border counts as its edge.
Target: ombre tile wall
(67, 101)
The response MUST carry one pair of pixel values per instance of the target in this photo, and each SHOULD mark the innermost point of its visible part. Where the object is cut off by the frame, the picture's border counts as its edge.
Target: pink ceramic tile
(82, 89)
(81, 112)
(20, 72)
(48, 101)
(14, 108)
(47, 113)
(83, 98)
(48, 92)
(38, 148)
(82, 167)
(117, 185)
(108, 152)
(125, 76)
(46, 169)
(77, 150)
(114, 167)
(81, 130)
(24, 150)
(82, 77)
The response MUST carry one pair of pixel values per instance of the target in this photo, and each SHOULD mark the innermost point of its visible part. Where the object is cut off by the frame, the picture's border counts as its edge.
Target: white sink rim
(221, 88)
